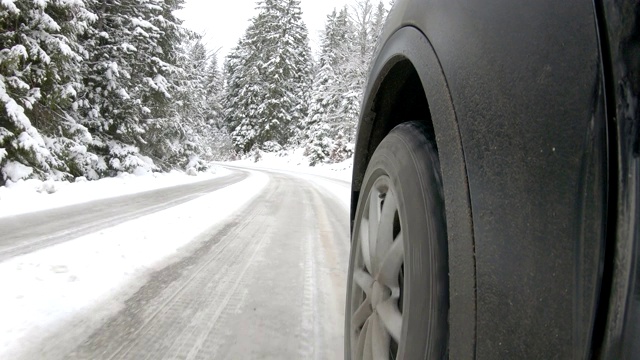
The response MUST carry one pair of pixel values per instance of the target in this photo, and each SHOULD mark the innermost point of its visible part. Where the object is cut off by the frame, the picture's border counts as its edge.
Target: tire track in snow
(157, 310)
(309, 346)
(332, 251)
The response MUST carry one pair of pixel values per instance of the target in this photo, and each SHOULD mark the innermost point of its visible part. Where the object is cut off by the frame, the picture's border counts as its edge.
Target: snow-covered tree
(367, 24)
(130, 78)
(327, 96)
(213, 88)
(39, 81)
(95, 87)
(379, 18)
(347, 47)
(268, 77)
(198, 101)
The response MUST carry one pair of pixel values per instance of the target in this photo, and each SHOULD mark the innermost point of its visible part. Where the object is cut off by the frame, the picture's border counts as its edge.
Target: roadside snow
(26, 196)
(295, 160)
(46, 289)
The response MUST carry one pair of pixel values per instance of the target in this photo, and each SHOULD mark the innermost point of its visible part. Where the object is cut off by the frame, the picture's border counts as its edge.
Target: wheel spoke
(362, 339)
(391, 317)
(364, 280)
(385, 229)
(376, 318)
(392, 262)
(381, 340)
(374, 221)
(364, 243)
(361, 315)
(368, 354)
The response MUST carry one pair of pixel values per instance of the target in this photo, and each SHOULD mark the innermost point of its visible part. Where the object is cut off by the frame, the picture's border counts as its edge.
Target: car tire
(397, 293)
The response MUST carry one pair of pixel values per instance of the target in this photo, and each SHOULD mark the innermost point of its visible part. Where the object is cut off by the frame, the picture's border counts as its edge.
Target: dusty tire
(400, 223)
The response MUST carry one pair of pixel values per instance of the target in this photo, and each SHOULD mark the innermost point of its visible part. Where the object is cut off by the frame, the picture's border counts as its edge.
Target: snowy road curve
(267, 281)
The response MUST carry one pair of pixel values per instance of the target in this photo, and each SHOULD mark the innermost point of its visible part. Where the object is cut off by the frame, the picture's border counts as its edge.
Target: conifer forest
(94, 88)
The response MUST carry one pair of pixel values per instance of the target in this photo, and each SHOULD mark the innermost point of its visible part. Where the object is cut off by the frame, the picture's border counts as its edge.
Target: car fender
(409, 44)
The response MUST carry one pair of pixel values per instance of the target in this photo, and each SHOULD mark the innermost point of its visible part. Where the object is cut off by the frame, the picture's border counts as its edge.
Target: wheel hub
(379, 294)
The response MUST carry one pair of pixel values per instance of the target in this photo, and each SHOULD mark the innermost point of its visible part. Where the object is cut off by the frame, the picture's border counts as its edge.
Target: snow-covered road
(250, 265)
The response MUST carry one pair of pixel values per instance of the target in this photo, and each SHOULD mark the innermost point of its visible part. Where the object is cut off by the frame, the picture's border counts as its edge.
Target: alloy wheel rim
(378, 276)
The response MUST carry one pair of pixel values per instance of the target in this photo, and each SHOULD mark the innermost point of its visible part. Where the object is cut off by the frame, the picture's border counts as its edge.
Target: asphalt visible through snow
(268, 283)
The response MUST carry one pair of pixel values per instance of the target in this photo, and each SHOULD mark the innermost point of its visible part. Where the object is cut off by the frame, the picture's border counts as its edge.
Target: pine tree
(203, 112)
(243, 96)
(213, 88)
(198, 136)
(39, 135)
(332, 119)
(367, 26)
(347, 48)
(268, 77)
(325, 101)
(378, 22)
(95, 87)
(130, 80)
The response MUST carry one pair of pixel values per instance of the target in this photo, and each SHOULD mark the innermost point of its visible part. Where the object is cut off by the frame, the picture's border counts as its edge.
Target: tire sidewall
(410, 161)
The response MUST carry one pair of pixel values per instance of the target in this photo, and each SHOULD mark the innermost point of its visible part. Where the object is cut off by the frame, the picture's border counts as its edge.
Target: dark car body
(534, 108)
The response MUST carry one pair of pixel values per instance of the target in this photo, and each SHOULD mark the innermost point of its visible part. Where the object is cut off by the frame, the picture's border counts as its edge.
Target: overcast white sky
(224, 21)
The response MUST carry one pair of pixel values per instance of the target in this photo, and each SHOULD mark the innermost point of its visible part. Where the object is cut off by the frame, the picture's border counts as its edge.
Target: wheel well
(399, 99)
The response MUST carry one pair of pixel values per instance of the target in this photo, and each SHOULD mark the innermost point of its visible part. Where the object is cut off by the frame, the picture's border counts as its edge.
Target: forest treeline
(92, 88)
